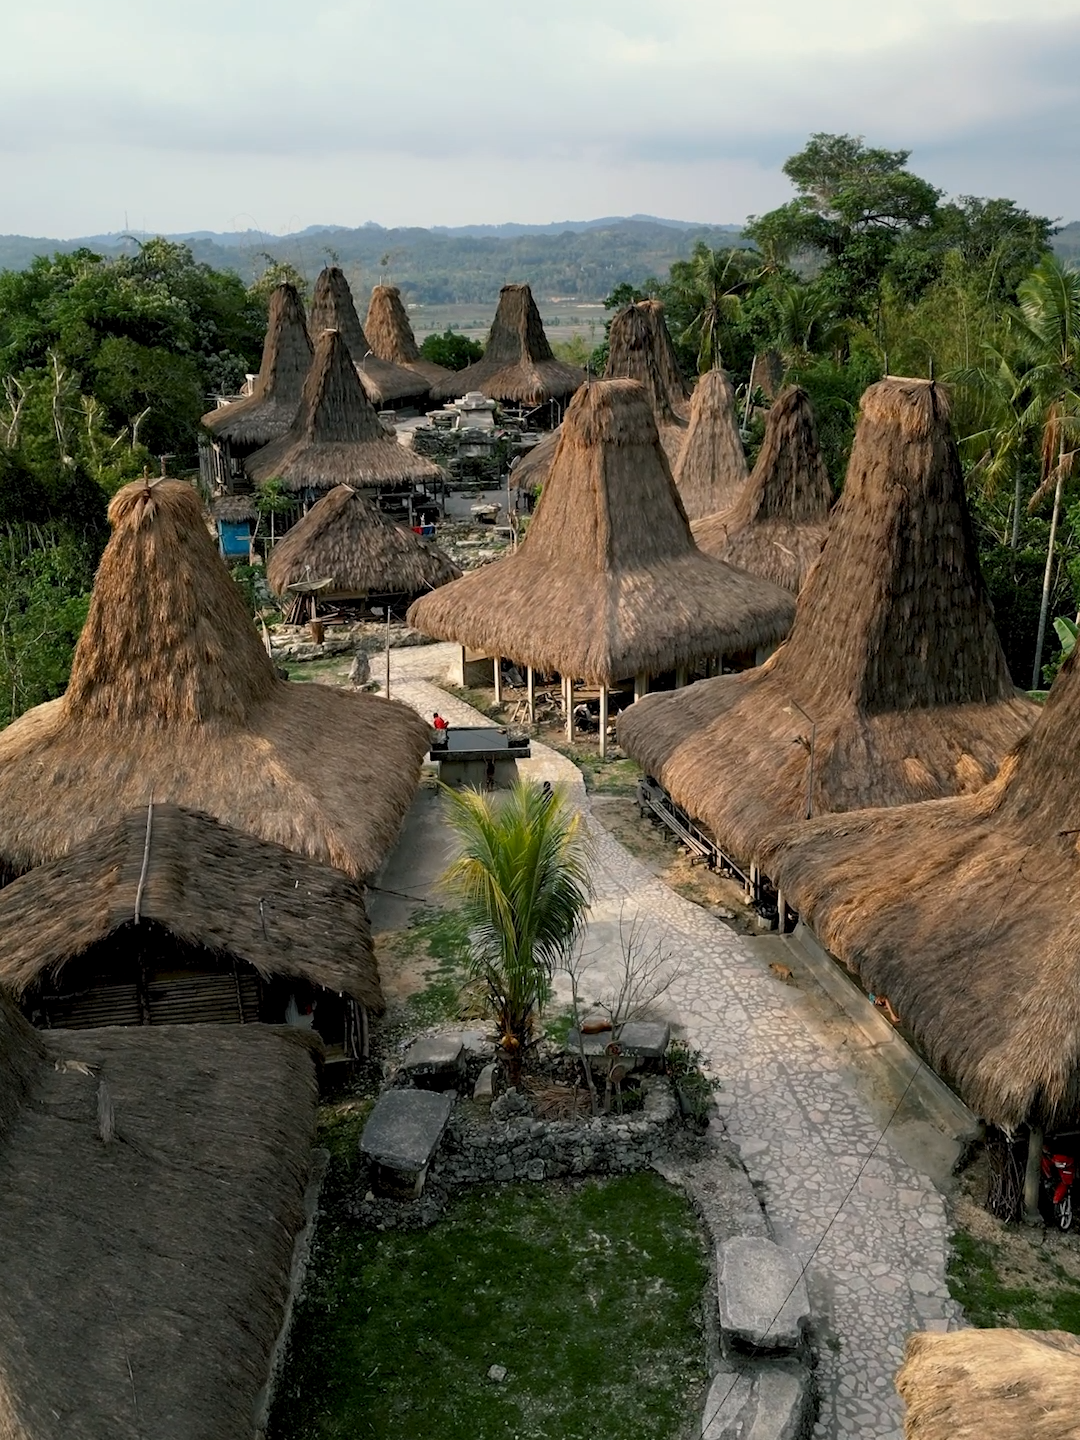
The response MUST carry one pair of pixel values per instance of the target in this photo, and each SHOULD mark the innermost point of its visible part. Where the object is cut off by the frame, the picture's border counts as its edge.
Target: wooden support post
(568, 682)
(603, 721)
(531, 683)
(496, 662)
(751, 894)
(1032, 1176)
(641, 685)
(680, 677)
(780, 909)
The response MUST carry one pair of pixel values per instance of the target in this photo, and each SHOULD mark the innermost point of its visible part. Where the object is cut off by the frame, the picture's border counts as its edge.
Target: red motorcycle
(1058, 1174)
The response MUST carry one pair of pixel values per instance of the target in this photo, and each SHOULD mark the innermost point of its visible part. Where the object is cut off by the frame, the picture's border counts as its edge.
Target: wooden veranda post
(497, 663)
(1032, 1176)
(641, 685)
(603, 721)
(530, 681)
(568, 701)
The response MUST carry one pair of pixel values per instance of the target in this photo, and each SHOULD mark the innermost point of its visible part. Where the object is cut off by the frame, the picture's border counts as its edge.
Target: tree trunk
(1018, 500)
(1047, 577)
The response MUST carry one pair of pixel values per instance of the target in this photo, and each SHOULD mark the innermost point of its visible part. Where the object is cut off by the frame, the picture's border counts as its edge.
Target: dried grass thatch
(234, 509)
(391, 336)
(345, 539)
(207, 885)
(777, 525)
(517, 365)
(275, 397)
(608, 582)
(336, 438)
(992, 1385)
(711, 470)
(152, 1185)
(332, 308)
(893, 655)
(173, 696)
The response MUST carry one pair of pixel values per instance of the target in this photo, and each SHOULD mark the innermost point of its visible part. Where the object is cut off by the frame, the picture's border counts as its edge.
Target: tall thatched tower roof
(517, 365)
(608, 582)
(271, 407)
(711, 470)
(391, 336)
(777, 524)
(332, 308)
(173, 696)
(336, 437)
(893, 657)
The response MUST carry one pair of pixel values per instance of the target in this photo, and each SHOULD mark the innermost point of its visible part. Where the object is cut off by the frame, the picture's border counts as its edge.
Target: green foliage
(452, 350)
(704, 294)
(683, 1063)
(275, 273)
(1051, 1302)
(589, 1295)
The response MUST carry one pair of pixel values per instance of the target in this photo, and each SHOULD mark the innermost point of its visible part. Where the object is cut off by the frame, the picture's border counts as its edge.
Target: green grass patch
(314, 669)
(1049, 1300)
(482, 700)
(589, 1294)
(602, 777)
(440, 938)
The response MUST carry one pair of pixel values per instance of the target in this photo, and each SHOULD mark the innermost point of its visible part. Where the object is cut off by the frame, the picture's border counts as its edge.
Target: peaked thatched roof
(271, 407)
(359, 550)
(391, 336)
(146, 1274)
(517, 364)
(332, 308)
(336, 438)
(173, 696)
(991, 1385)
(711, 469)
(234, 509)
(208, 885)
(893, 655)
(608, 582)
(777, 525)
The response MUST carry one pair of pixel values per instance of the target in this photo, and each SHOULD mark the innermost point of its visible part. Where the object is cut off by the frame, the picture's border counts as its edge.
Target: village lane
(872, 1230)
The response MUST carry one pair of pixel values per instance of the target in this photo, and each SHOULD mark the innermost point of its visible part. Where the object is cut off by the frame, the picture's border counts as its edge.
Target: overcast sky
(275, 115)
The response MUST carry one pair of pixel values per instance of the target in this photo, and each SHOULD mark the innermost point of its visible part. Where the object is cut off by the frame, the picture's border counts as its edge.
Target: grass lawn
(589, 1294)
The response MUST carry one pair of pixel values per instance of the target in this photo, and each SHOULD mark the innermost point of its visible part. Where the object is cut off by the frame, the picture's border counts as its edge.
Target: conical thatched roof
(348, 541)
(271, 407)
(608, 582)
(336, 438)
(777, 525)
(991, 1385)
(173, 696)
(639, 348)
(332, 308)
(391, 336)
(204, 884)
(893, 655)
(152, 1184)
(517, 365)
(711, 469)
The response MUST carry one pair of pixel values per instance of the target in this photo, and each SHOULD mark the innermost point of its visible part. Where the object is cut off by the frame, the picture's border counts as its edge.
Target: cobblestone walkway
(878, 1239)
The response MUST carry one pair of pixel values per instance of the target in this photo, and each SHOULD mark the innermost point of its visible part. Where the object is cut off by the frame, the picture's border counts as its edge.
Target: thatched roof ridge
(640, 348)
(1004, 1384)
(146, 1275)
(172, 695)
(208, 885)
(333, 308)
(345, 538)
(336, 437)
(893, 655)
(711, 469)
(517, 365)
(391, 336)
(234, 509)
(608, 582)
(777, 524)
(271, 407)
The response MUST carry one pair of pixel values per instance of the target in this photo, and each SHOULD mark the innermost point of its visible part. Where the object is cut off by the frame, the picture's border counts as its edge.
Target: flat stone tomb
(400, 1138)
(763, 1299)
(436, 1062)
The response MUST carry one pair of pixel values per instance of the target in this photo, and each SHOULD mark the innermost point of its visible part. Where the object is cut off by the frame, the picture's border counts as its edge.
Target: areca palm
(522, 873)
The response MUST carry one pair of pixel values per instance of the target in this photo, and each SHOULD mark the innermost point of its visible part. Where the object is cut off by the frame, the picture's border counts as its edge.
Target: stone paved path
(876, 1229)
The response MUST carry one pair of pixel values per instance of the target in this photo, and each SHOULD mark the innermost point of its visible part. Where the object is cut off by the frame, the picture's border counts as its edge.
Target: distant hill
(585, 259)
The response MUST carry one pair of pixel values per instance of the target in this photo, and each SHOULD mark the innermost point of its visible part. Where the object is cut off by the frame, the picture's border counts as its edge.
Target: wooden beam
(603, 721)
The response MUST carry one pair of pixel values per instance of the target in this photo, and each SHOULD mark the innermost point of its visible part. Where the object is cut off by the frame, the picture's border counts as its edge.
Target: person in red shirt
(439, 722)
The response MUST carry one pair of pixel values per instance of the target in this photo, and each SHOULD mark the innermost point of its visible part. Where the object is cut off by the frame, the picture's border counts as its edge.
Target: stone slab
(763, 1299)
(764, 1402)
(646, 1039)
(404, 1129)
(436, 1062)
(591, 1046)
(484, 1089)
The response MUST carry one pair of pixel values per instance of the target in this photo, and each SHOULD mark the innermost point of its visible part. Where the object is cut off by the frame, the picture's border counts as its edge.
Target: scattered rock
(360, 673)
(483, 1090)
(497, 1373)
(764, 1402)
(512, 1103)
(763, 1299)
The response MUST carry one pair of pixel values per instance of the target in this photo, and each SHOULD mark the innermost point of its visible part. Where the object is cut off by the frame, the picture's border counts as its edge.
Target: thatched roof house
(777, 524)
(893, 681)
(345, 539)
(711, 471)
(270, 409)
(517, 366)
(608, 582)
(991, 1385)
(152, 1184)
(337, 438)
(172, 696)
(391, 336)
(164, 891)
(332, 308)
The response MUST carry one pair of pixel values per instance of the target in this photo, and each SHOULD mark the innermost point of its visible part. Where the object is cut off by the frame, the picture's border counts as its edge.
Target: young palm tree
(522, 871)
(710, 284)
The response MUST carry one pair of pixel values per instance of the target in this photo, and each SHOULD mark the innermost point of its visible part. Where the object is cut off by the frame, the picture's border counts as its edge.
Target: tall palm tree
(1008, 430)
(522, 872)
(711, 282)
